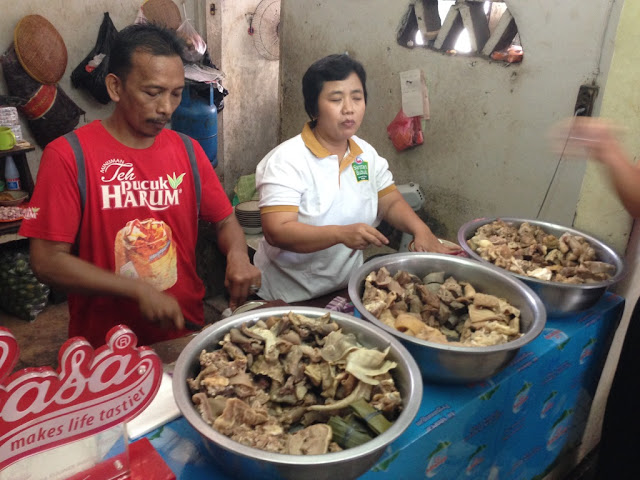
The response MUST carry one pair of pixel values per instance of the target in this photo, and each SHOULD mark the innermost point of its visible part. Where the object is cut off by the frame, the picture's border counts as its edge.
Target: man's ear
(114, 86)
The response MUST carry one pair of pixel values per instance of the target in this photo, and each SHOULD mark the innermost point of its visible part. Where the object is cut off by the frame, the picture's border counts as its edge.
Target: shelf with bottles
(8, 230)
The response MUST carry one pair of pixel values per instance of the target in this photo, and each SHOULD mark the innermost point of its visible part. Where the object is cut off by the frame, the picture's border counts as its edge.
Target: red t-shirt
(139, 220)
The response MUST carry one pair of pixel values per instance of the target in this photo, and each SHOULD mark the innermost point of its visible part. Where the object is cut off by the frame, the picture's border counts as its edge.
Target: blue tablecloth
(515, 425)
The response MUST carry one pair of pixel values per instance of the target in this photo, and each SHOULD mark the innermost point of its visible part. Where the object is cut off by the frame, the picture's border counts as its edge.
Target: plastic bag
(195, 44)
(405, 132)
(141, 18)
(92, 70)
(21, 294)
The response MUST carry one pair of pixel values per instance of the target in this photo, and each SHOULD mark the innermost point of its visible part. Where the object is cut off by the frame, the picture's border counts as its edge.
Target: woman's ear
(114, 86)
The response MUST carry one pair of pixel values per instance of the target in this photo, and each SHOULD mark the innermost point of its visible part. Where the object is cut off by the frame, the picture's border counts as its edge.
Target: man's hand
(158, 307)
(53, 264)
(241, 279)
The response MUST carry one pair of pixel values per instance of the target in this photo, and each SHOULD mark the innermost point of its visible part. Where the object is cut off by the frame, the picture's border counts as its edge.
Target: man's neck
(120, 131)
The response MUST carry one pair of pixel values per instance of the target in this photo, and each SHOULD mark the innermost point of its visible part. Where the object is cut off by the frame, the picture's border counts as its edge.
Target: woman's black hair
(328, 69)
(145, 37)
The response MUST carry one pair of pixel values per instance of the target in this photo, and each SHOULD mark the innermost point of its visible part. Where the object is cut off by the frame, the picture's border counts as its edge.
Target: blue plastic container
(198, 118)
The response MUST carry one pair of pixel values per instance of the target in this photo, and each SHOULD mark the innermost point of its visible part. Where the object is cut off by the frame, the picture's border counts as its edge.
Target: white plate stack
(9, 118)
(248, 215)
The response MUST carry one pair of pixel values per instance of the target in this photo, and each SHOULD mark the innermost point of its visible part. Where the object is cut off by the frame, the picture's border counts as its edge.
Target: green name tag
(361, 169)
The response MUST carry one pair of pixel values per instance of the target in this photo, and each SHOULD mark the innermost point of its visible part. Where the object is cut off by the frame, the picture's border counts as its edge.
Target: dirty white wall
(250, 119)
(485, 151)
(78, 22)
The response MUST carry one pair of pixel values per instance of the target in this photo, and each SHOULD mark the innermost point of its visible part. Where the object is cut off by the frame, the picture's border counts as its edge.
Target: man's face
(150, 93)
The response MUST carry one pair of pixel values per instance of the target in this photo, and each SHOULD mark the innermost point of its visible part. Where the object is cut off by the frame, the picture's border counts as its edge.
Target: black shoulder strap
(194, 167)
(72, 138)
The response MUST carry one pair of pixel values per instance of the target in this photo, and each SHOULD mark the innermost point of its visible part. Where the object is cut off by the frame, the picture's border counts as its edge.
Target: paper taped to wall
(415, 96)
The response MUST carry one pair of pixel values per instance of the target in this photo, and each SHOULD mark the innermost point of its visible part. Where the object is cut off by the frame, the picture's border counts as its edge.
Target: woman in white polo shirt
(322, 192)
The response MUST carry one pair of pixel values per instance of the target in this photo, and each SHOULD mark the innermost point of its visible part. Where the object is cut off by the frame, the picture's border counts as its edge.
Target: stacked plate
(248, 215)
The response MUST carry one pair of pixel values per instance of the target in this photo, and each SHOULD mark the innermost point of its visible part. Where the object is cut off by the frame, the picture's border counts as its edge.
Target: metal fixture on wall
(586, 99)
(265, 25)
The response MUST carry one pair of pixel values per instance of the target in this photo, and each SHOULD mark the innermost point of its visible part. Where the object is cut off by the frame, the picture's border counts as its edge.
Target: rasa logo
(121, 189)
(92, 392)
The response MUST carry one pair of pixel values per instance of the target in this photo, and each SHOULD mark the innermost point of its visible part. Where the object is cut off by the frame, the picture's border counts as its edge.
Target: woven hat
(162, 12)
(40, 49)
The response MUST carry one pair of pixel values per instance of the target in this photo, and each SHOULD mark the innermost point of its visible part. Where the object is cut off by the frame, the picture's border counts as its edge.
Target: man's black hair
(145, 37)
(328, 69)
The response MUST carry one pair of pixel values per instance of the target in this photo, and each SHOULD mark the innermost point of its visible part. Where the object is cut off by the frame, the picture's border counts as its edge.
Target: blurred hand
(158, 307)
(580, 136)
(360, 235)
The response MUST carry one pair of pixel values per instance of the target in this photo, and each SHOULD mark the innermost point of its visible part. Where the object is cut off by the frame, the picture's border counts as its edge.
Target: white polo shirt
(300, 175)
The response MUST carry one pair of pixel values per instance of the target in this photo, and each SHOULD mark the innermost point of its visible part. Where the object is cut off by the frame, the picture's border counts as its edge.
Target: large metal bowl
(241, 461)
(560, 299)
(453, 363)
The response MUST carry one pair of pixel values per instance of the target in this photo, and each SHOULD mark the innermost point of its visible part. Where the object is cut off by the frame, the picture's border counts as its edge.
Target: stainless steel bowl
(560, 299)
(241, 461)
(453, 363)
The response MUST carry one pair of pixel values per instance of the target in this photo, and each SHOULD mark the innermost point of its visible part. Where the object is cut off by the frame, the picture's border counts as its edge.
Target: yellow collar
(319, 151)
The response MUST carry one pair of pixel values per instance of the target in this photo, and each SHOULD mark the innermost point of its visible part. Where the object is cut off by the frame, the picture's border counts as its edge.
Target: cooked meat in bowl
(297, 385)
(527, 249)
(440, 309)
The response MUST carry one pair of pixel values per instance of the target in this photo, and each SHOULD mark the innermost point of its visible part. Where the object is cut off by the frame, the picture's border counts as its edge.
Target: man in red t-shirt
(125, 251)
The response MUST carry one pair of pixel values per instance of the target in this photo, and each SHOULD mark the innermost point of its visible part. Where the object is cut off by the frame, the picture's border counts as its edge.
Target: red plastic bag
(405, 132)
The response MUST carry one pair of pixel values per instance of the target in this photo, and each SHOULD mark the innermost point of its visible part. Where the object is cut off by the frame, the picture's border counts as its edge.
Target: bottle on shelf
(11, 174)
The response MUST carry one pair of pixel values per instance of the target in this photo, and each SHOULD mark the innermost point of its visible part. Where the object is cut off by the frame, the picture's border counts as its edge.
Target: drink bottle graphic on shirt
(145, 249)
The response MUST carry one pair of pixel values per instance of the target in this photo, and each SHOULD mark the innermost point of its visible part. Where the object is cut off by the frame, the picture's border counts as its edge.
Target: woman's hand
(424, 242)
(360, 235)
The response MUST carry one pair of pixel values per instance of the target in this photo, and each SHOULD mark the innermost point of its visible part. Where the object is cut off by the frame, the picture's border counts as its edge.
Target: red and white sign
(92, 391)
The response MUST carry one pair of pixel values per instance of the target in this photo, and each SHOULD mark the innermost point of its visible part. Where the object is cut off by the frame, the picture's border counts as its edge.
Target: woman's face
(341, 109)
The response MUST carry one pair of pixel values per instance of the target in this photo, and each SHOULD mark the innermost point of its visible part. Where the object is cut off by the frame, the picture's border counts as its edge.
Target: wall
(250, 118)
(485, 151)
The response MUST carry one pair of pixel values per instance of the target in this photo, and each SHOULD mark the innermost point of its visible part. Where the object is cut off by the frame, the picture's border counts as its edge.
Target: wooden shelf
(10, 237)
(9, 231)
(19, 148)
